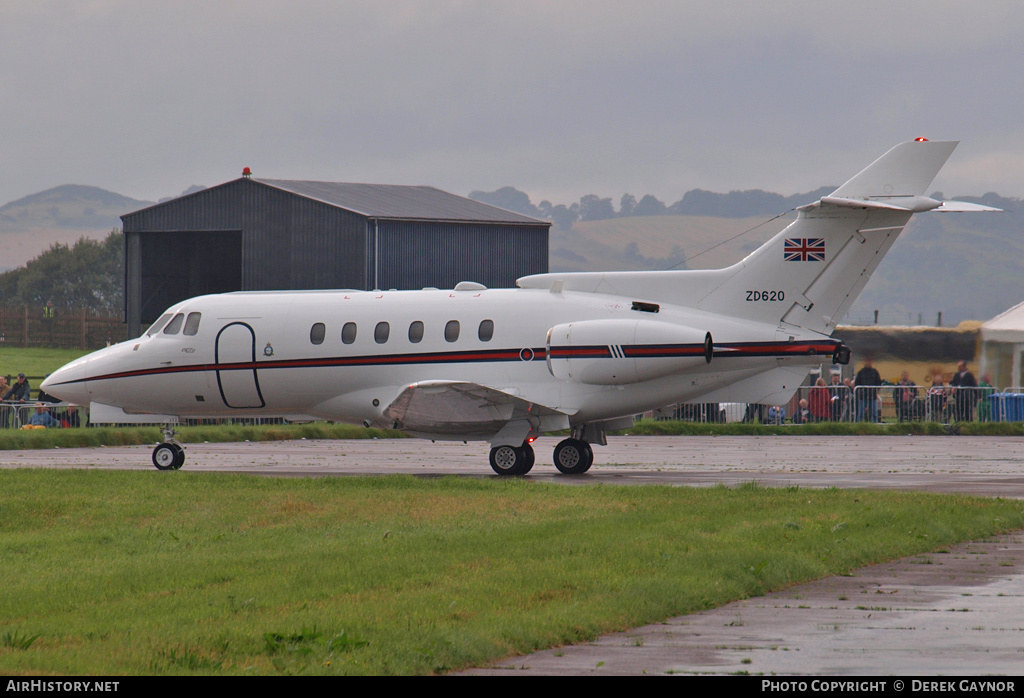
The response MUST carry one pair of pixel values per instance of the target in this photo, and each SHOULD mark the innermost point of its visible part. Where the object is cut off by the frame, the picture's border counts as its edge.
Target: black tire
(179, 459)
(573, 457)
(531, 457)
(168, 456)
(512, 460)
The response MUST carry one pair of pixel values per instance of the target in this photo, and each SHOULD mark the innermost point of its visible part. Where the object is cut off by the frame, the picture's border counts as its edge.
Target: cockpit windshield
(155, 327)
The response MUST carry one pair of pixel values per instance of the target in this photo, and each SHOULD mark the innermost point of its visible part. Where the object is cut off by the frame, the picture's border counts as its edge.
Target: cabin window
(416, 332)
(486, 331)
(192, 323)
(381, 332)
(317, 333)
(174, 326)
(155, 327)
(348, 332)
(451, 331)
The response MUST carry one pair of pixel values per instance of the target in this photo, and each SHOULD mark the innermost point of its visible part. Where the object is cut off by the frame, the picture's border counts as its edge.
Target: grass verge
(680, 428)
(209, 573)
(13, 439)
(16, 439)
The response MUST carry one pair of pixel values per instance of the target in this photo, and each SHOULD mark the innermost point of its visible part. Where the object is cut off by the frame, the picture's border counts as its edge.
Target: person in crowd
(906, 399)
(19, 392)
(985, 391)
(965, 394)
(938, 397)
(72, 418)
(839, 396)
(43, 418)
(802, 414)
(819, 402)
(865, 387)
(776, 414)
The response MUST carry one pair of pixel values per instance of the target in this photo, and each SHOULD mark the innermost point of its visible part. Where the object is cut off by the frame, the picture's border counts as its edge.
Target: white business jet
(581, 352)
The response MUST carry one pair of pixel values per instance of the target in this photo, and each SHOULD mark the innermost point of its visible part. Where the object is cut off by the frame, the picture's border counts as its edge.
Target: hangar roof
(395, 201)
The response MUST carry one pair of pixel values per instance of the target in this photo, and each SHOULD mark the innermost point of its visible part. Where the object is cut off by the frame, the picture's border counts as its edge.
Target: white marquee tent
(1002, 346)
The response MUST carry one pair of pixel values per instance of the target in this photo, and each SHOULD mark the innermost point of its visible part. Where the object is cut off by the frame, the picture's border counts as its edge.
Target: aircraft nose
(68, 383)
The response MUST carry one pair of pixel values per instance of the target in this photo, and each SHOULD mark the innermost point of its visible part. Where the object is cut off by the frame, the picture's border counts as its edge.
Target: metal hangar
(267, 234)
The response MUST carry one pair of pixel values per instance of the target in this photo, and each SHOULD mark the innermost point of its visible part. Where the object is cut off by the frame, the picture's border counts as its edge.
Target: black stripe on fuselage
(525, 355)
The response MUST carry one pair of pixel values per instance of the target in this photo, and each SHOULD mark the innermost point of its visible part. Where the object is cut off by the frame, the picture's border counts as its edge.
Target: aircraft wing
(464, 410)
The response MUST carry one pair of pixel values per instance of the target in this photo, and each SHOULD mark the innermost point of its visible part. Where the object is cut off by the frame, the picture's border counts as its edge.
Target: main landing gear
(572, 457)
(170, 455)
(512, 460)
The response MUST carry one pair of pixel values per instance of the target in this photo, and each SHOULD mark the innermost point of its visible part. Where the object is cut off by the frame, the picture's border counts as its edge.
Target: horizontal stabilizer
(911, 204)
(964, 207)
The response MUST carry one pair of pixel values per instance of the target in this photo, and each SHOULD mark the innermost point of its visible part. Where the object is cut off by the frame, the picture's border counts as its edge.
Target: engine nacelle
(615, 352)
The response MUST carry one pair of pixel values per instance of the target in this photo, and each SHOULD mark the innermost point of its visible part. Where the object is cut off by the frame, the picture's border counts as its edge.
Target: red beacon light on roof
(919, 139)
(246, 172)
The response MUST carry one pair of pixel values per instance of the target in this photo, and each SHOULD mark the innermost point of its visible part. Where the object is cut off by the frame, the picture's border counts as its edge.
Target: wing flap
(465, 410)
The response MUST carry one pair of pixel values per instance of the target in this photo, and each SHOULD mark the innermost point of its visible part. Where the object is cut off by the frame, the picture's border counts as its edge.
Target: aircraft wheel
(573, 457)
(512, 460)
(530, 458)
(168, 456)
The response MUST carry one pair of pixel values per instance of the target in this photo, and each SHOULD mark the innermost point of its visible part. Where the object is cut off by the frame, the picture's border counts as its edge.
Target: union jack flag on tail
(804, 250)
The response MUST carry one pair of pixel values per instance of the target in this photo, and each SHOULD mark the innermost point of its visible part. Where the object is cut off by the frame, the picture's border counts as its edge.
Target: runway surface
(957, 612)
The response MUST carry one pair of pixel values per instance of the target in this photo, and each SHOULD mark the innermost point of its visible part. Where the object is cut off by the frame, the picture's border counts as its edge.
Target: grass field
(33, 361)
(204, 573)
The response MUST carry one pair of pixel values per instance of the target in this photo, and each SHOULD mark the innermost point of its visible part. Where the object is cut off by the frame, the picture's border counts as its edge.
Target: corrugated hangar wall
(441, 254)
(246, 235)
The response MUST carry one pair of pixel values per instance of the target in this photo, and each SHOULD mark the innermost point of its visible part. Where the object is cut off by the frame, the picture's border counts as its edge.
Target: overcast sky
(557, 98)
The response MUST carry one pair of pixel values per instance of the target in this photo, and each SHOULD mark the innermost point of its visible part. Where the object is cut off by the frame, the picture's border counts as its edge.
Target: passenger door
(236, 366)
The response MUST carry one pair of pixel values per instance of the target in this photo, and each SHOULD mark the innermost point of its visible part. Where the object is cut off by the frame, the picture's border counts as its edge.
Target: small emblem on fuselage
(268, 350)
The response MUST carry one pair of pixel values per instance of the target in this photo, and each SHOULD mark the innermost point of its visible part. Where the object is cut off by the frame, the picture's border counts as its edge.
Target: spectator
(776, 414)
(802, 415)
(839, 396)
(906, 399)
(866, 392)
(43, 418)
(820, 402)
(937, 399)
(72, 418)
(964, 393)
(19, 392)
(984, 403)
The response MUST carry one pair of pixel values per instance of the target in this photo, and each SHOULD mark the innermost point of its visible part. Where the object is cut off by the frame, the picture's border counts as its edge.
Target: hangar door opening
(180, 265)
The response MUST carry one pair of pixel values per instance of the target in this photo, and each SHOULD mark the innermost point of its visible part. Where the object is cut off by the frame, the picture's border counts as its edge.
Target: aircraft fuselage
(346, 355)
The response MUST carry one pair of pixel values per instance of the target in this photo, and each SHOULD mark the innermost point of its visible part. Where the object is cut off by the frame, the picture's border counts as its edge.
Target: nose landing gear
(170, 455)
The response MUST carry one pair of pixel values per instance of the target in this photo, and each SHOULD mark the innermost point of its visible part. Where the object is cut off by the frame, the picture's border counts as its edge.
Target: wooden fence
(68, 329)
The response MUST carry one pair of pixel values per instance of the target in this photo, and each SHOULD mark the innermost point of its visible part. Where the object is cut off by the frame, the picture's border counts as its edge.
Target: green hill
(30, 225)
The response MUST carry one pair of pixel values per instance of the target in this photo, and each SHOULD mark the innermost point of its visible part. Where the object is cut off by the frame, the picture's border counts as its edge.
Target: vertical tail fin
(809, 274)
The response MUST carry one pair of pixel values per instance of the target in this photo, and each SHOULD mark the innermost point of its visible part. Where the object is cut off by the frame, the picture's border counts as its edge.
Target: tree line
(88, 274)
(697, 202)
